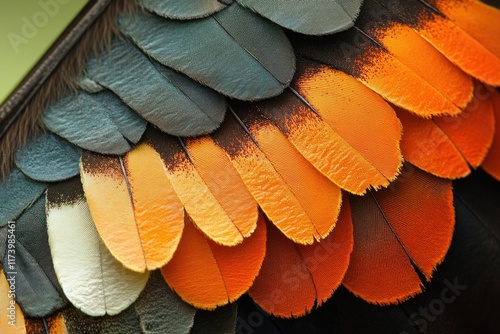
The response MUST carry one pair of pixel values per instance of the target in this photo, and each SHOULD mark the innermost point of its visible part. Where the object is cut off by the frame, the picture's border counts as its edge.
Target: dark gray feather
(17, 192)
(236, 52)
(30, 264)
(97, 122)
(133, 77)
(161, 310)
(310, 17)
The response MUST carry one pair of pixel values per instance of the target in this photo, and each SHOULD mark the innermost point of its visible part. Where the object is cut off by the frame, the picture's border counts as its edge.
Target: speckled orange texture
(449, 39)
(419, 207)
(316, 195)
(367, 124)
(473, 130)
(295, 277)
(281, 180)
(477, 19)
(224, 182)
(427, 146)
(141, 226)
(335, 157)
(274, 196)
(200, 203)
(208, 275)
(55, 324)
(392, 79)
(111, 209)
(446, 146)
(158, 211)
(428, 63)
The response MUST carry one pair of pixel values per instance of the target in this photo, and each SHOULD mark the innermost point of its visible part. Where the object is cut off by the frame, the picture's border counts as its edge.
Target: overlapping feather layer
(335, 170)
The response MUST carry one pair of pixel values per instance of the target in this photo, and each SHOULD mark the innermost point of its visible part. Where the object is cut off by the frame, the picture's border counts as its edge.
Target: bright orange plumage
(339, 177)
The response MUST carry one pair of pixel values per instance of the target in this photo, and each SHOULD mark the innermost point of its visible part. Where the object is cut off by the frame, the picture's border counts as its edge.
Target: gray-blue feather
(129, 123)
(235, 52)
(48, 158)
(37, 289)
(212, 103)
(263, 40)
(17, 192)
(310, 17)
(134, 78)
(97, 122)
(182, 9)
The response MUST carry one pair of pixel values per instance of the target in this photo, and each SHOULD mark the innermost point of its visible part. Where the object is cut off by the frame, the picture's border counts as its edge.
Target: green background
(22, 44)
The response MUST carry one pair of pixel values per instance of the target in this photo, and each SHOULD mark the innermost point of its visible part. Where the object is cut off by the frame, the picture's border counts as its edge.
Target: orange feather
(354, 113)
(448, 38)
(140, 227)
(224, 182)
(157, 209)
(446, 146)
(275, 174)
(411, 223)
(477, 19)
(472, 131)
(198, 199)
(324, 148)
(358, 55)
(317, 196)
(208, 275)
(294, 277)
(417, 54)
